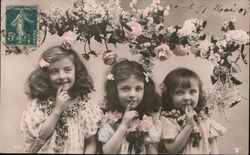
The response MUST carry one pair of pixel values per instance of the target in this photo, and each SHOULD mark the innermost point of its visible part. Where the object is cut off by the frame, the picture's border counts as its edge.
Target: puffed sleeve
(169, 129)
(92, 115)
(154, 133)
(105, 132)
(216, 129)
(31, 121)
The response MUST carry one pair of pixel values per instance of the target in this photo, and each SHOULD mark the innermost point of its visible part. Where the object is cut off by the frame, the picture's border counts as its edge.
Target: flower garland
(47, 106)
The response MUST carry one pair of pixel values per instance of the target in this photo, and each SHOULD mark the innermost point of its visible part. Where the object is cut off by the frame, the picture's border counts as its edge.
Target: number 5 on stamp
(21, 25)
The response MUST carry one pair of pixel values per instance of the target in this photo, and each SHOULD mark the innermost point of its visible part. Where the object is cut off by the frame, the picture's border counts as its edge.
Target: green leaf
(235, 68)
(98, 38)
(93, 53)
(126, 27)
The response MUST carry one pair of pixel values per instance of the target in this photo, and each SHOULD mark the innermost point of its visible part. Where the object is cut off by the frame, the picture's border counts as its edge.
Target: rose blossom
(109, 57)
(214, 58)
(68, 39)
(136, 30)
(187, 29)
(238, 36)
(146, 123)
(162, 52)
(204, 45)
(112, 117)
(103, 103)
(134, 124)
(181, 50)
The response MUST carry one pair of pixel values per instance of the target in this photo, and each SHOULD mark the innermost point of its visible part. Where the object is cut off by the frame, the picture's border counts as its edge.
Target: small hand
(62, 99)
(129, 116)
(190, 113)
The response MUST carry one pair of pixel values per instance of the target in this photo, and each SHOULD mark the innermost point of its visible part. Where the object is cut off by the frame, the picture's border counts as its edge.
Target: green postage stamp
(21, 25)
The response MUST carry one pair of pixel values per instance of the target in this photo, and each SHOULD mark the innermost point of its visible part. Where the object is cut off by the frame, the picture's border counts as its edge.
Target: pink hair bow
(43, 63)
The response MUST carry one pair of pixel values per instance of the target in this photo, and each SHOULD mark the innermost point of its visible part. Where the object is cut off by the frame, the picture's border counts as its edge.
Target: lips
(62, 83)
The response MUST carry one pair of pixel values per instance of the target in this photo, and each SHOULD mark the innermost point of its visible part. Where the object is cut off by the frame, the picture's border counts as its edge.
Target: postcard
(125, 77)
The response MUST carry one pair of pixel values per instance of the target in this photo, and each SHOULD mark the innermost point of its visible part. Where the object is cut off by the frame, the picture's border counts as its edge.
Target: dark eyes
(128, 88)
(67, 69)
(182, 92)
(193, 91)
(179, 92)
(55, 71)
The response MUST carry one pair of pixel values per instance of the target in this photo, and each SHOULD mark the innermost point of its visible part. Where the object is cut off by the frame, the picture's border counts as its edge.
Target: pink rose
(136, 30)
(112, 117)
(68, 39)
(134, 124)
(238, 36)
(214, 58)
(204, 45)
(103, 103)
(146, 123)
(109, 58)
(162, 52)
(181, 50)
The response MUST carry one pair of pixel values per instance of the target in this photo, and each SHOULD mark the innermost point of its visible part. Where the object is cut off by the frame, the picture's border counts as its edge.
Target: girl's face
(62, 73)
(182, 97)
(130, 91)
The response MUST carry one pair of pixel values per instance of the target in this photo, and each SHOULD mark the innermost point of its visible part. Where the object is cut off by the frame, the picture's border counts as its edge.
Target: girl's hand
(129, 116)
(190, 113)
(62, 99)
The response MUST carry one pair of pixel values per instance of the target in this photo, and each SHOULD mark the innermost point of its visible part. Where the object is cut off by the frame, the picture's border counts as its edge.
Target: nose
(62, 75)
(132, 93)
(187, 96)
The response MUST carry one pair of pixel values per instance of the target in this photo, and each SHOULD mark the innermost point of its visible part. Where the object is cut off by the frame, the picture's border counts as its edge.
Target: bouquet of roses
(136, 133)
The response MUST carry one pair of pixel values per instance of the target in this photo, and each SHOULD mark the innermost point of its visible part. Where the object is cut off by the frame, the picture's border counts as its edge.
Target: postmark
(21, 25)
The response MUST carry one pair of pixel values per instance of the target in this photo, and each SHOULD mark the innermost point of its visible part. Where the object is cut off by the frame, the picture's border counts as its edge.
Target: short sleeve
(31, 121)
(92, 114)
(154, 133)
(169, 129)
(216, 129)
(105, 132)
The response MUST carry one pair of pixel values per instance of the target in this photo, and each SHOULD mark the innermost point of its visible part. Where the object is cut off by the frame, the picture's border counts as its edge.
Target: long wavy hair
(123, 70)
(38, 83)
(181, 78)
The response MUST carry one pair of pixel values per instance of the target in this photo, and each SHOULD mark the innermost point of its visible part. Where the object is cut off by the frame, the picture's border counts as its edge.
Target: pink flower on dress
(181, 50)
(162, 52)
(136, 30)
(146, 123)
(134, 124)
(103, 103)
(68, 39)
(43, 63)
(112, 117)
(109, 57)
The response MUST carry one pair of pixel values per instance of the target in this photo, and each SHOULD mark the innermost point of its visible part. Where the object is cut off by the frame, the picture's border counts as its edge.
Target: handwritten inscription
(219, 8)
